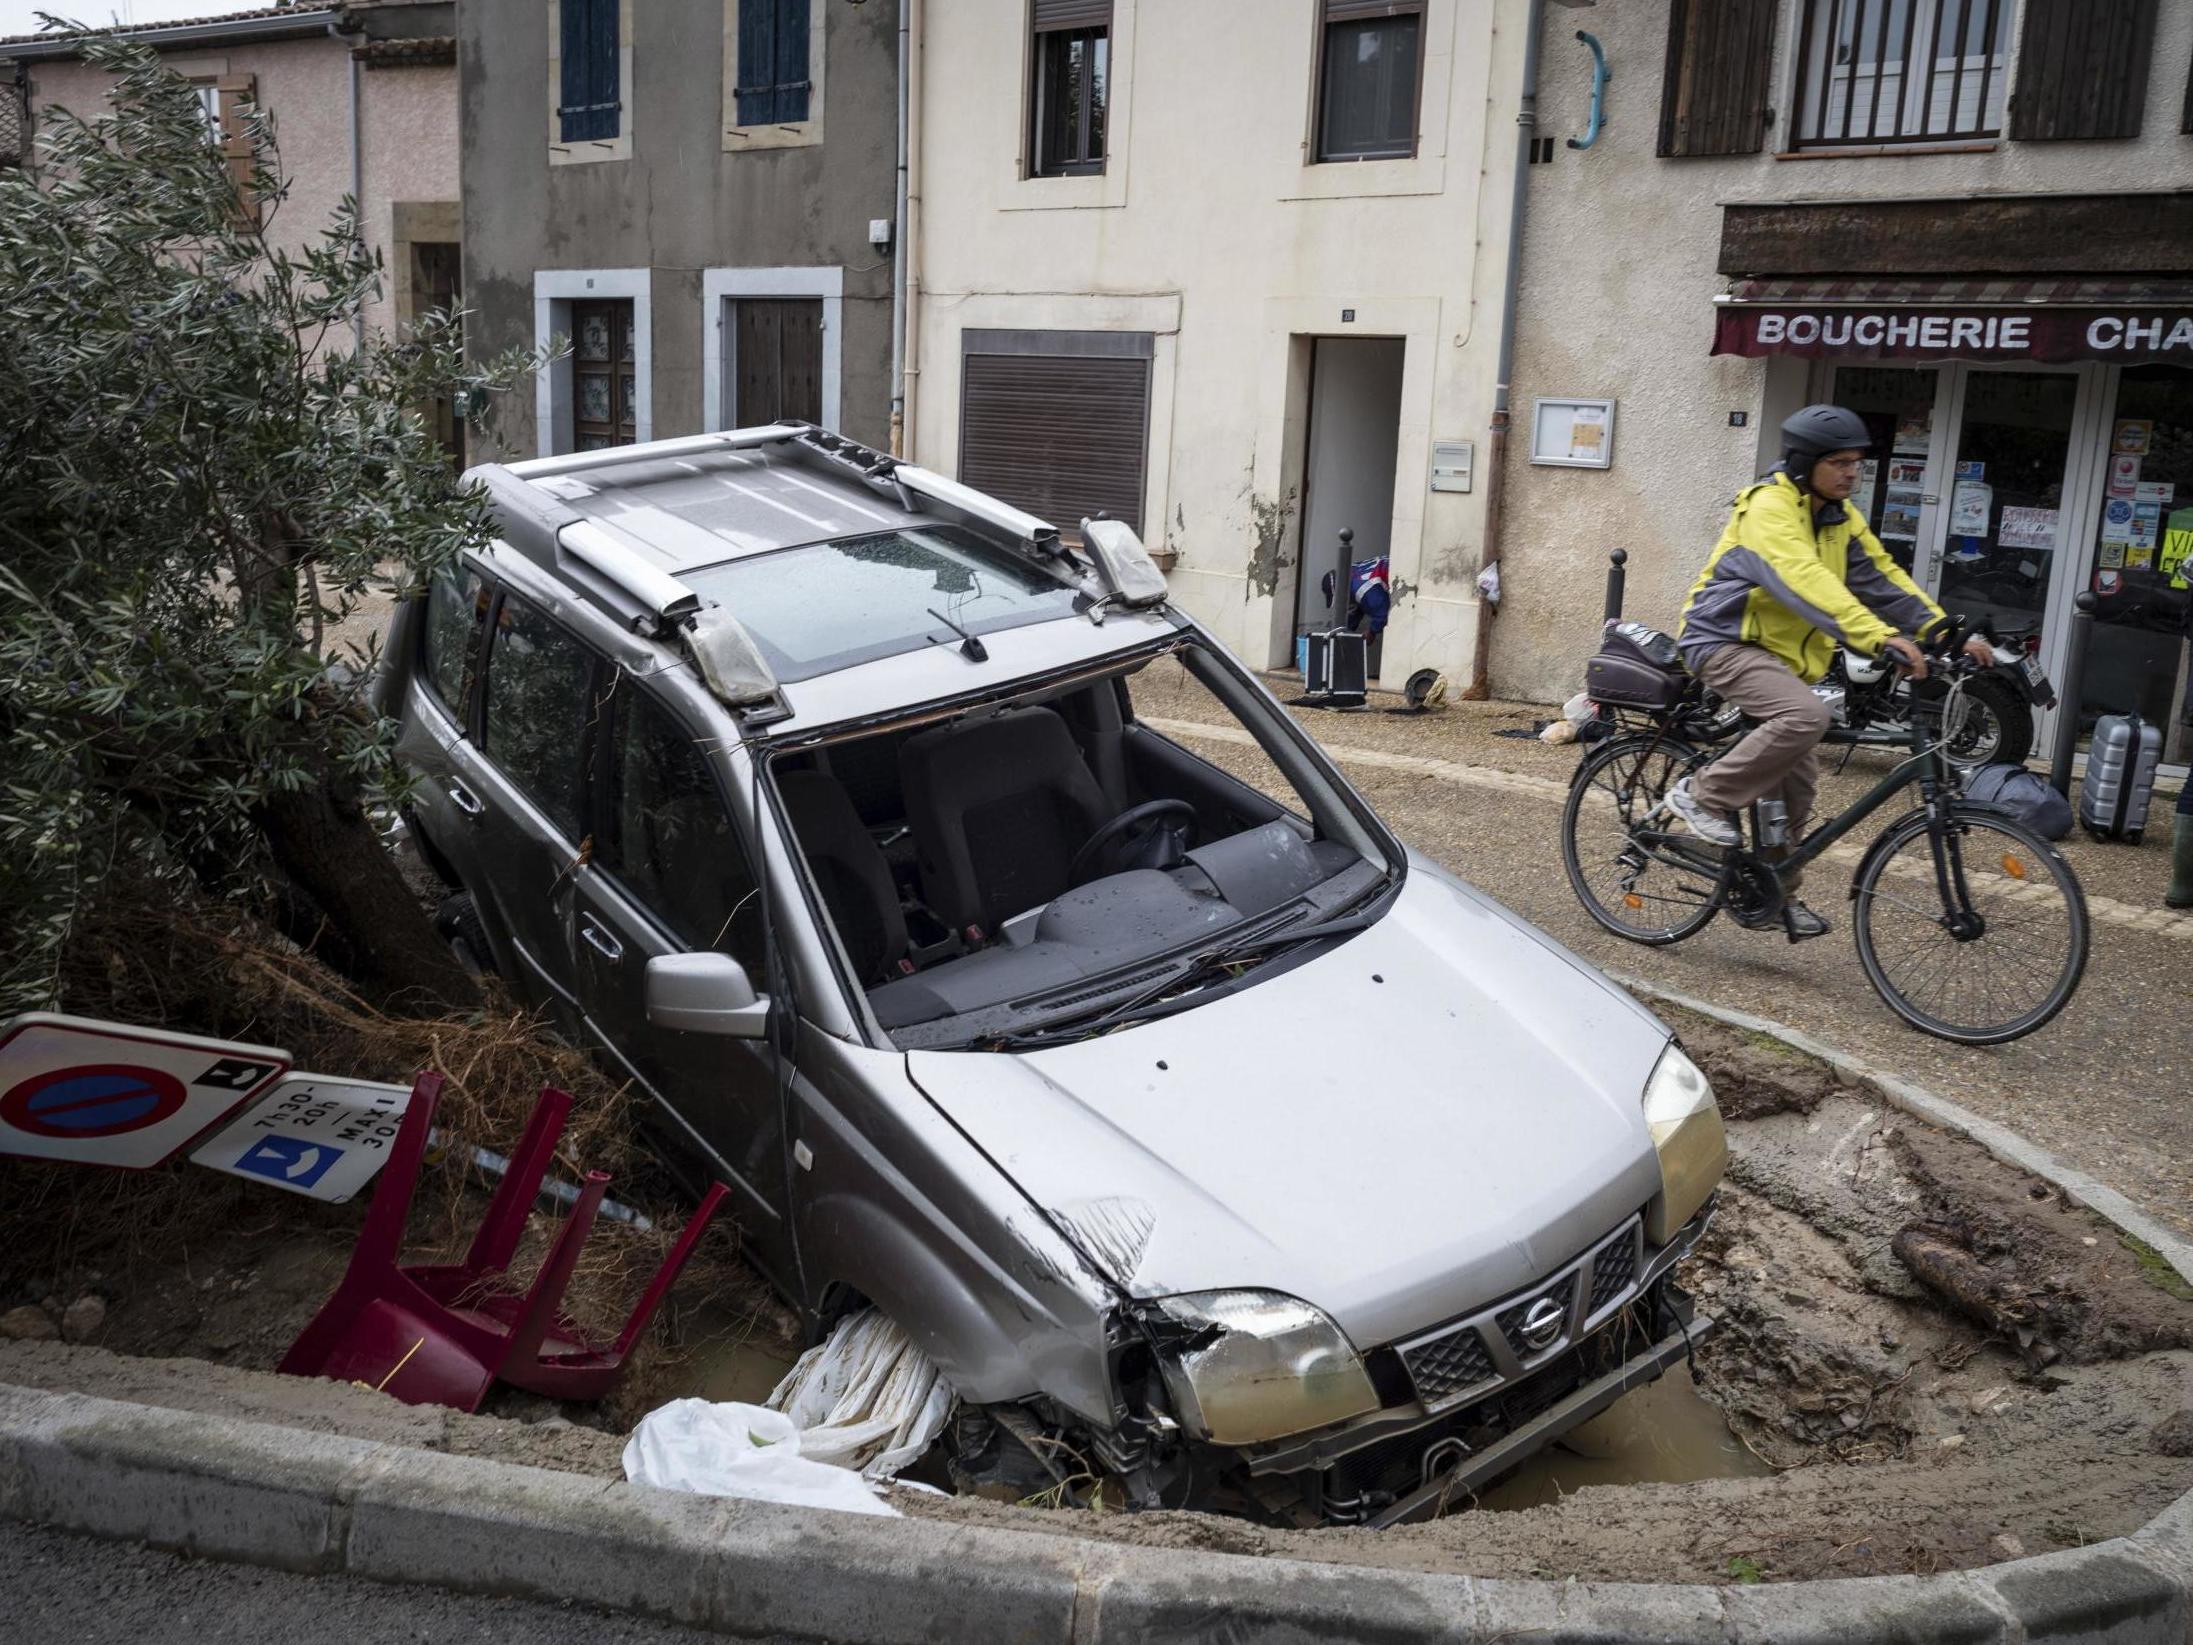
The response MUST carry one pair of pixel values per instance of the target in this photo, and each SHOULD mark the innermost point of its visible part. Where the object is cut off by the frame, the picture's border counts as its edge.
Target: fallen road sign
(105, 1093)
(314, 1134)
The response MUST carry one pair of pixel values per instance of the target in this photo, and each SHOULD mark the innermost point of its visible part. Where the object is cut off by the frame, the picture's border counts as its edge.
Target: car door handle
(600, 941)
(464, 799)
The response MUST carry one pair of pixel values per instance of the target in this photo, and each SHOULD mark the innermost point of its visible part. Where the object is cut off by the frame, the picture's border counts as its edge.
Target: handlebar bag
(1636, 667)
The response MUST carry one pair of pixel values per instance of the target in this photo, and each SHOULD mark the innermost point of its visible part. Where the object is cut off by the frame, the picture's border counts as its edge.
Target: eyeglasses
(1848, 465)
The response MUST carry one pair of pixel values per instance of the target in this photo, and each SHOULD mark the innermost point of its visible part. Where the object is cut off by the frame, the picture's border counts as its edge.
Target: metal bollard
(1616, 576)
(2070, 693)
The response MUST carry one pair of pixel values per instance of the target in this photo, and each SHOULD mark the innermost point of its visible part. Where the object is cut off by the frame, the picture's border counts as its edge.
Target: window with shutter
(1056, 422)
(1070, 87)
(2082, 69)
(1871, 72)
(591, 107)
(1713, 97)
(1370, 72)
(233, 96)
(774, 87)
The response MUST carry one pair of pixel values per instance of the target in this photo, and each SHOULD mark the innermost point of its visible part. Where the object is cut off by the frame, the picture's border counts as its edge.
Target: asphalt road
(2108, 1086)
(66, 1590)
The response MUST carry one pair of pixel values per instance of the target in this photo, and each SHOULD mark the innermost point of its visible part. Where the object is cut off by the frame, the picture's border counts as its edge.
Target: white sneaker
(1708, 825)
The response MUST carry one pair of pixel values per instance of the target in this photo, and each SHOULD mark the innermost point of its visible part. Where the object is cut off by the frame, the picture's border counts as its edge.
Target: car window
(669, 842)
(539, 701)
(456, 603)
(1166, 697)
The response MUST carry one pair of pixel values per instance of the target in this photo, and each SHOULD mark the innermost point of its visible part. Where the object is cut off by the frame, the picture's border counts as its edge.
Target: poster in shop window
(2177, 554)
(2117, 520)
(2027, 528)
(1869, 476)
(2124, 475)
(1970, 504)
(2133, 436)
(2146, 527)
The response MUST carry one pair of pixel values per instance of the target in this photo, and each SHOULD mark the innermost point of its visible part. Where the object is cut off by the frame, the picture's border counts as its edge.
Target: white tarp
(854, 1410)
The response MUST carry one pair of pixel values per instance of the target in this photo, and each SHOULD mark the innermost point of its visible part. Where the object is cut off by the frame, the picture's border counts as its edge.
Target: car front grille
(1494, 1348)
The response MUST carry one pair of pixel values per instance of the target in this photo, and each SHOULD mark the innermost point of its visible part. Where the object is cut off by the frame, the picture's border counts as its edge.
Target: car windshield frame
(770, 592)
(1374, 881)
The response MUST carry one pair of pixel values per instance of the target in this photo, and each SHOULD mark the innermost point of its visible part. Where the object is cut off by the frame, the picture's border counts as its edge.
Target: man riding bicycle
(1796, 573)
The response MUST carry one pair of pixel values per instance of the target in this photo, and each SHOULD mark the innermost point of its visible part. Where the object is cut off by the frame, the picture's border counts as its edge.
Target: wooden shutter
(2082, 69)
(1072, 14)
(1344, 11)
(590, 82)
(1713, 99)
(791, 60)
(234, 93)
(757, 88)
(1062, 436)
(778, 360)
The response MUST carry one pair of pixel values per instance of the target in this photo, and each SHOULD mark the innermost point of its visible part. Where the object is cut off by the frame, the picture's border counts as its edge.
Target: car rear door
(670, 873)
(523, 791)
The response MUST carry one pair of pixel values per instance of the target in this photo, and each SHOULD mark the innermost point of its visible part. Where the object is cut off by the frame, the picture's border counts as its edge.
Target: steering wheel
(1154, 834)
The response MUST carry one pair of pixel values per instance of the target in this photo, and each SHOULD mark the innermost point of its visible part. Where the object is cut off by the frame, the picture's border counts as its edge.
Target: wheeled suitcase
(2120, 777)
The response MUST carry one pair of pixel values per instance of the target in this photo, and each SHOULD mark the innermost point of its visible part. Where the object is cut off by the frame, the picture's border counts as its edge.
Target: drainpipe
(1526, 129)
(898, 262)
(357, 169)
(910, 240)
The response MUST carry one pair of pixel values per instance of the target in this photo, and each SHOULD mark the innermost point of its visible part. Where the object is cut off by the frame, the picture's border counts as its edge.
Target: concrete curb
(220, 1488)
(2005, 1144)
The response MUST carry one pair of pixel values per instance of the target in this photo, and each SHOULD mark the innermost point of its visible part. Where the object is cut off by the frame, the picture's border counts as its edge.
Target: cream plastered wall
(1210, 231)
(1619, 252)
(408, 133)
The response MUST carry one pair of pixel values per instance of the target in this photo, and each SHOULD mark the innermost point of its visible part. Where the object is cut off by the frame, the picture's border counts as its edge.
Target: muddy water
(1666, 1434)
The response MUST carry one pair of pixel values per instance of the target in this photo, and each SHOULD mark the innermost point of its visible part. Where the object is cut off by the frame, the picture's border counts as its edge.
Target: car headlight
(1255, 1365)
(1685, 1123)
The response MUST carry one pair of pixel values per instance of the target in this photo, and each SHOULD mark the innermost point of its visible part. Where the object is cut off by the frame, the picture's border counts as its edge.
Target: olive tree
(200, 476)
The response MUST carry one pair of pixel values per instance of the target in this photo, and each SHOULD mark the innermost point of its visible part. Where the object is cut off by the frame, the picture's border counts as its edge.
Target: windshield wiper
(1177, 992)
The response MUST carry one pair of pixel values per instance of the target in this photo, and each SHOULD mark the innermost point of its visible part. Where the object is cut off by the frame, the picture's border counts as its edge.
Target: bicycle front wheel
(1646, 891)
(1980, 938)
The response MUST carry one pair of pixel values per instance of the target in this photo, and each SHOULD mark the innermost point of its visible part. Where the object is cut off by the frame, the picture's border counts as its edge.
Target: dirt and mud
(1923, 1361)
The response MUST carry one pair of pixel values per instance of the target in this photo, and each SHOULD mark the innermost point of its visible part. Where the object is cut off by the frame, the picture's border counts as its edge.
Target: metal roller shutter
(1062, 436)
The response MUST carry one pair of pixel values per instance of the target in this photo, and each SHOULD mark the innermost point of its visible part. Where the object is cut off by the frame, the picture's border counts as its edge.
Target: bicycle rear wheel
(2016, 958)
(1652, 893)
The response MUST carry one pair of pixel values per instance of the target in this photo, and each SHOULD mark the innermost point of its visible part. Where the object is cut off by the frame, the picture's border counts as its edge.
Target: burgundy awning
(2127, 321)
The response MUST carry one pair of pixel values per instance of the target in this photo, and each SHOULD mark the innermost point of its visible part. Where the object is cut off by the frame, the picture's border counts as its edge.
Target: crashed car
(1025, 971)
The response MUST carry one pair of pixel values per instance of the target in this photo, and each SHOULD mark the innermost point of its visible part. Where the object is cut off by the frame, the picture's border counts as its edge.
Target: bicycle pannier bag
(1636, 667)
(2025, 794)
(2120, 777)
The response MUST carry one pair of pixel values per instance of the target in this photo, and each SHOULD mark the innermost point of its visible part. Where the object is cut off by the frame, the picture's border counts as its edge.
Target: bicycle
(1955, 893)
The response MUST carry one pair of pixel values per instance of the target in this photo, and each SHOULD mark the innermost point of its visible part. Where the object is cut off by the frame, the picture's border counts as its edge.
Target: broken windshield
(827, 606)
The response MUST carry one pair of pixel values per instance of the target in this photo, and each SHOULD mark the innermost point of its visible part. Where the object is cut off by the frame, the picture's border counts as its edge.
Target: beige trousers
(1780, 755)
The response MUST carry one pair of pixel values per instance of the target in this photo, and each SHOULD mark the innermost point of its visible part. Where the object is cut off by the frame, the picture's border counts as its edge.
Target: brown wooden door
(436, 284)
(604, 385)
(776, 360)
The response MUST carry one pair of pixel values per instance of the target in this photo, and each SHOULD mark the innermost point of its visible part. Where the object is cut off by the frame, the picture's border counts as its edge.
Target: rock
(2173, 1436)
(84, 1317)
(1950, 1442)
(2007, 1545)
(28, 1323)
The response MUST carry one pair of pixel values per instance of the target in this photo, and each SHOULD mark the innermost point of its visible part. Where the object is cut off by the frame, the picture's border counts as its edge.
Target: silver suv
(1024, 970)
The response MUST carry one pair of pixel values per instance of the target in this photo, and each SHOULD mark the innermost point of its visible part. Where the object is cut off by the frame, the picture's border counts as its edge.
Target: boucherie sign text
(2054, 334)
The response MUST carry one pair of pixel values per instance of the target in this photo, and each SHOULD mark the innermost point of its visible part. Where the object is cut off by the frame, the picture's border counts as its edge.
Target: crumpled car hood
(1422, 1119)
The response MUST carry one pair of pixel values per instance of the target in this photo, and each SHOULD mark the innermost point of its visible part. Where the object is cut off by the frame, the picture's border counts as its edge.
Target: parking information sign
(103, 1093)
(313, 1134)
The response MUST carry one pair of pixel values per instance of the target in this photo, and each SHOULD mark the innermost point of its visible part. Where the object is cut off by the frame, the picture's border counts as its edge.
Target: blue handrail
(1600, 75)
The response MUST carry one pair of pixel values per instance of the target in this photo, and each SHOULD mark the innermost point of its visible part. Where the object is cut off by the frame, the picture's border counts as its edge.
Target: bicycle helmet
(1812, 433)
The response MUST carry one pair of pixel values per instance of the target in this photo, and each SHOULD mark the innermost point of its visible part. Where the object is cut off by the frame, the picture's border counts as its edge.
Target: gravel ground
(2105, 1086)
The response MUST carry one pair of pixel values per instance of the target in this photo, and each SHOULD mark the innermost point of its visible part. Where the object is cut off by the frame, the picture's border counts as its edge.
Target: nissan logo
(1542, 1322)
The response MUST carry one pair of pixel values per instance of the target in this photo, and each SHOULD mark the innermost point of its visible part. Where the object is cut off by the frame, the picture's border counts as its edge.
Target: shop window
(590, 108)
(2143, 551)
(1070, 87)
(1057, 422)
(1370, 69)
(2082, 69)
(1713, 97)
(1901, 71)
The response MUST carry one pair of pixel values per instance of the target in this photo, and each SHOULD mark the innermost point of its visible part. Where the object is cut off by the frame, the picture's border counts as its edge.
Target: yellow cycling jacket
(1799, 584)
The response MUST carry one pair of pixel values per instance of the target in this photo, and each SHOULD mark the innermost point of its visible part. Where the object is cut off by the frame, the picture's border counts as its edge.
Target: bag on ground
(2120, 777)
(735, 1450)
(2025, 794)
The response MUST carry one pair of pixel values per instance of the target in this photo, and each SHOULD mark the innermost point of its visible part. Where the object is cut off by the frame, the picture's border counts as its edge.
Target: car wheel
(459, 924)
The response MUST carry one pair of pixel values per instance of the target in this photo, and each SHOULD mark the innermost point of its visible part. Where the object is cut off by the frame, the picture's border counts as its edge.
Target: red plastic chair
(439, 1335)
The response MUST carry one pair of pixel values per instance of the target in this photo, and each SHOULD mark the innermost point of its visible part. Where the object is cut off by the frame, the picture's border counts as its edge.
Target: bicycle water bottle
(1773, 823)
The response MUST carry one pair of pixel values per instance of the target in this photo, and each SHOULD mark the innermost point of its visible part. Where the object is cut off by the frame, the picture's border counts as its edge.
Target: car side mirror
(707, 993)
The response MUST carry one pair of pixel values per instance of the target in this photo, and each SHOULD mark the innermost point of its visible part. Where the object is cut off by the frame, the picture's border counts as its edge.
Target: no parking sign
(101, 1093)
